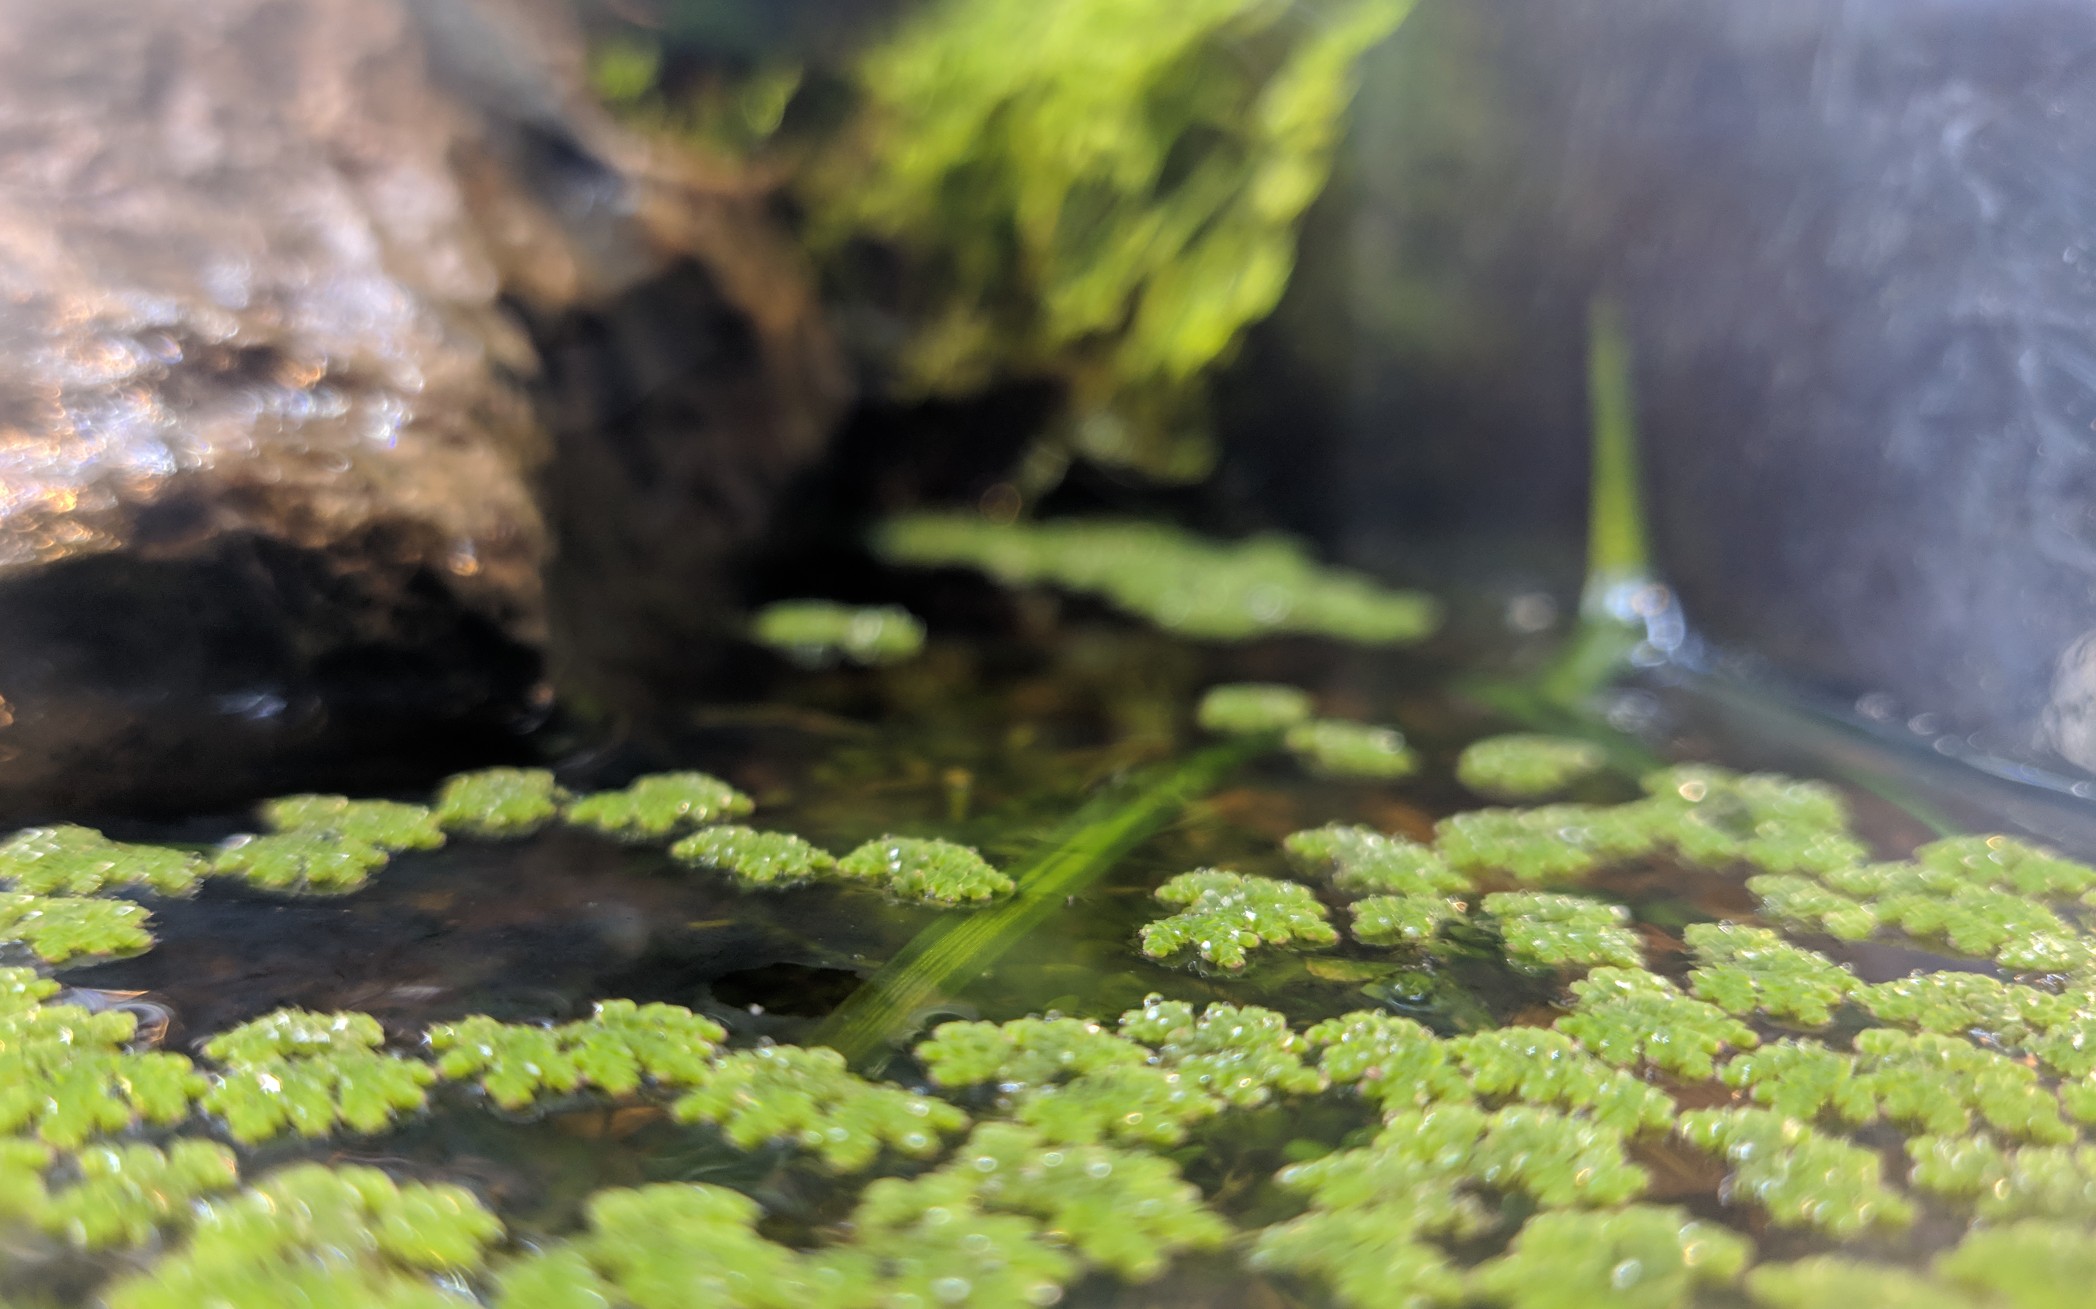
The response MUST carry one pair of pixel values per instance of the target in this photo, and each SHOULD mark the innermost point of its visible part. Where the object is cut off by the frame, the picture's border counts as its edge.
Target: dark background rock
(1852, 242)
(275, 432)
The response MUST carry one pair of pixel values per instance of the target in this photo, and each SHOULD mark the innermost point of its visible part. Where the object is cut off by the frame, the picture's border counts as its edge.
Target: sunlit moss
(1363, 861)
(1626, 1016)
(1641, 1257)
(388, 825)
(1224, 915)
(759, 860)
(1241, 1055)
(1800, 1176)
(124, 1194)
(319, 1236)
(1403, 920)
(1336, 748)
(1525, 766)
(1245, 708)
(499, 803)
(814, 632)
(70, 860)
(1211, 590)
(658, 806)
(612, 1051)
(807, 1098)
(313, 861)
(1828, 1282)
(310, 1073)
(1745, 970)
(927, 870)
(1543, 930)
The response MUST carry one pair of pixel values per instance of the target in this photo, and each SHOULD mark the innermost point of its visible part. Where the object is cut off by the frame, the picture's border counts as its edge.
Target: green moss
(1403, 920)
(757, 860)
(658, 806)
(314, 861)
(612, 1051)
(319, 1236)
(926, 870)
(2033, 1264)
(1246, 708)
(1745, 970)
(310, 1073)
(1334, 748)
(1827, 1282)
(807, 1098)
(1542, 930)
(71, 860)
(1363, 861)
(1223, 915)
(1209, 590)
(124, 1194)
(1801, 1177)
(1642, 1257)
(1951, 1003)
(499, 803)
(1241, 1055)
(384, 824)
(1554, 1160)
(58, 928)
(1550, 845)
(1525, 766)
(815, 632)
(1628, 1016)
(1971, 920)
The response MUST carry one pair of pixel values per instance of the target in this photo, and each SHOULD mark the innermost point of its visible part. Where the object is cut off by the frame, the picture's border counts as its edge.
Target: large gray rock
(273, 420)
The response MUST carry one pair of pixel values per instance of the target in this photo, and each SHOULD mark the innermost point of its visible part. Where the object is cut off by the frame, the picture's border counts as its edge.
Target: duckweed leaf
(1525, 766)
(759, 860)
(668, 1245)
(1365, 1256)
(1240, 1055)
(1640, 1257)
(612, 1051)
(1828, 1282)
(1393, 1061)
(1248, 708)
(499, 803)
(1363, 861)
(1404, 920)
(1548, 846)
(1950, 1003)
(1801, 1079)
(310, 1073)
(383, 824)
(813, 632)
(122, 1194)
(1626, 1016)
(2034, 1264)
(1938, 1084)
(806, 1097)
(1023, 1053)
(926, 870)
(1971, 920)
(65, 1074)
(312, 860)
(1713, 817)
(1073, 1081)
(72, 860)
(1139, 1105)
(1537, 1066)
(57, 928)
(1223, 915)
(1802, 1178)
(1803, 902)
(658, 806)
(1335, 748)
(2006, 864)
(1543, 930)
(1745, 970)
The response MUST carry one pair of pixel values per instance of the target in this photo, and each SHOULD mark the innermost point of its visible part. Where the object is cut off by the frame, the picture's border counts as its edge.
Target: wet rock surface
(275, 430)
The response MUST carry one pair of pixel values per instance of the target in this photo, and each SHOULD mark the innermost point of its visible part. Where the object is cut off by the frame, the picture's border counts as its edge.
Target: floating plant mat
(1295, 1036)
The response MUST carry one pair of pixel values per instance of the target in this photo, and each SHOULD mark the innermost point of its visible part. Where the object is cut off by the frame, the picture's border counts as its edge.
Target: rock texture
(274, 427)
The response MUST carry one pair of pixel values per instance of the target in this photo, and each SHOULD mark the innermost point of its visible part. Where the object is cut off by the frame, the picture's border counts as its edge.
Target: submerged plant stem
(944, 956)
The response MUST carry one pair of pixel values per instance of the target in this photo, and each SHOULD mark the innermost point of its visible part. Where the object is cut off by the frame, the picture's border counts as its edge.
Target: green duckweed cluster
(1249, 708)
(816, 632)
(1525, 766)
(1223, 915)
(1336, 748)
(1209, 590)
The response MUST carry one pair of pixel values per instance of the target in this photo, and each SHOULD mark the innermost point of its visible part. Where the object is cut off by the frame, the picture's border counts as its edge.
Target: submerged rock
(300, 300)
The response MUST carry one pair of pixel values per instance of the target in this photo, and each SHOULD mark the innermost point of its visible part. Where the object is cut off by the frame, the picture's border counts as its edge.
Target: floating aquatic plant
(69, 860)
(1626, 1016)
(1362, 861)
(58, 928)
(123, 1194)
(499, 803)
(1537, 1066)
(1405, 920)
(1223, 915)
(310, 1073)
(1245, 708)
(1939, 1084)
(2033, 1264)
(67, 1074)
(1551, 845)
(1241, 1055)
(2006, 864)
(927, 870)
(1800, 1176)
(1024, 1053)
(1640, 1257)
(388, 825)
(1954, 1002)
(1336, 748)
(658, 806)
(1828, 1282)
(758, 860)
(1745, 970)
(813, 632)
(807, 1098)
(315, 861)
(1802, 902)
(1803, 1080)
(1713, 817)
(1527, 766)
(1543, 930)
(1212, 590)
(613, 1050)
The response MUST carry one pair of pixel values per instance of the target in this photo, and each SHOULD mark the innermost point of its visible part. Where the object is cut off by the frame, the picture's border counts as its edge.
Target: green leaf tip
(658, 806)
(1224, 915)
